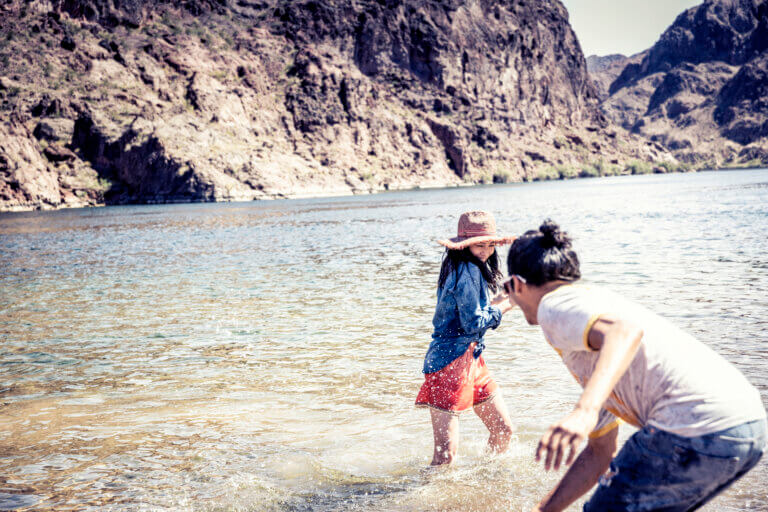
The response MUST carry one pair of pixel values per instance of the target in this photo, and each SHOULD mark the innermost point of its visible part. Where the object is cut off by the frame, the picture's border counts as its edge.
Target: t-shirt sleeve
(567, 315)
(605, 423)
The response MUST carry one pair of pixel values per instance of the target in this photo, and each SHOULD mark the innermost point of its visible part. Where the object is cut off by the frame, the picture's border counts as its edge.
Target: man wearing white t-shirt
(702, 424)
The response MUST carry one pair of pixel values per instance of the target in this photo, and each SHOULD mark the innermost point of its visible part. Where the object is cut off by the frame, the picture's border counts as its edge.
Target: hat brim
(458, 244)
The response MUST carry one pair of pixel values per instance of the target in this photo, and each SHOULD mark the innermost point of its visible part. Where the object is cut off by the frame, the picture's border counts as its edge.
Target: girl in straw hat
(456, 377)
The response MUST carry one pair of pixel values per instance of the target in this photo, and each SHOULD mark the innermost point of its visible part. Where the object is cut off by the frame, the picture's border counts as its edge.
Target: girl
(456, 376)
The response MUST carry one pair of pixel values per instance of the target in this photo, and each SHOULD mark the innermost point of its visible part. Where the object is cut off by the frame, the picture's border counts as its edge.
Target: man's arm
(586, 470)
(618, 342)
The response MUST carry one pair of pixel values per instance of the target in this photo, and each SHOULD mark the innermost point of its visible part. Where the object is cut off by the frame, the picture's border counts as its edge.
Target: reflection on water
(265, 356)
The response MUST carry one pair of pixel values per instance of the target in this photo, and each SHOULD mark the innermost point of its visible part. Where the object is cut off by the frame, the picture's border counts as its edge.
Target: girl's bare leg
(494, 414)
(445, 427)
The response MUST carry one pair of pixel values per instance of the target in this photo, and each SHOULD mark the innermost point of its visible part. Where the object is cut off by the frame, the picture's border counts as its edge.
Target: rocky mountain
(702, 90)
(106, 102)
(605, 69)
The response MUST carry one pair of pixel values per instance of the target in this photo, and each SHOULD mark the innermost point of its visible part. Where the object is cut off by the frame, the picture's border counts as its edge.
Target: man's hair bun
(544, 255)
(553, 236)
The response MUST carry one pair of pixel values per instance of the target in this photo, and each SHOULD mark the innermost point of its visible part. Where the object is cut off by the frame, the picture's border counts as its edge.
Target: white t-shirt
(675, 383)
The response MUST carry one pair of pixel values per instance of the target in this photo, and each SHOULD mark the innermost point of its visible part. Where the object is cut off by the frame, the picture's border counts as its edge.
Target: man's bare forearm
(584, 473)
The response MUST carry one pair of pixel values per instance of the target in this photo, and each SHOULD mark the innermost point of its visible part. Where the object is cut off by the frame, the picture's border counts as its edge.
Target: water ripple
(265, 356)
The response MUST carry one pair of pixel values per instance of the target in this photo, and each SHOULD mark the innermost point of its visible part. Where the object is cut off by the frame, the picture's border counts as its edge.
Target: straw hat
(474, 228)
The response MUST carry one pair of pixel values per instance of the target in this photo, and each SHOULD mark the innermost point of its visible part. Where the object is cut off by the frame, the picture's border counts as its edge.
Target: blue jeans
(664, 472)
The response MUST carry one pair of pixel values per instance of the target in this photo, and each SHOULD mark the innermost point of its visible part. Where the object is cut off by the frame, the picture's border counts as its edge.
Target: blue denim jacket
(462, 315)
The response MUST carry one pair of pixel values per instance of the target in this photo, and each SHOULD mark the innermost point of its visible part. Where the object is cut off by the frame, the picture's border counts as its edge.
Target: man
(702, 425)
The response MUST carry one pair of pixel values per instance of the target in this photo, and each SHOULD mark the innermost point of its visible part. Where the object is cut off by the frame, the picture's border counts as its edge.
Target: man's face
(519, 294)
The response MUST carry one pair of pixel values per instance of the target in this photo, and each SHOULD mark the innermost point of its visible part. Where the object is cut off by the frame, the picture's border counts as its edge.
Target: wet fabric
(661, 471)
(661, 387)
(459, 386)
(462, 316)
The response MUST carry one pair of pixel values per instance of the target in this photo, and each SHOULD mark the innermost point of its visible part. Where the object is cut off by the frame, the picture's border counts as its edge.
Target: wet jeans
(664, 472)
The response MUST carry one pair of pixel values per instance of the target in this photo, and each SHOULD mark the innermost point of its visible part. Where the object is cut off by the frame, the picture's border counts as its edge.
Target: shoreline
(352, 192)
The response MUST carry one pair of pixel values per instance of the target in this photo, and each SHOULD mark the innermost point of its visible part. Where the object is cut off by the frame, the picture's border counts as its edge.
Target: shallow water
(266, 355)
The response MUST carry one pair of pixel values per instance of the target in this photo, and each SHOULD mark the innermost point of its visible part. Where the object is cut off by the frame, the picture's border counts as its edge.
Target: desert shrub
(567, 172)
(547, 173)
(589, 171)
(752, 164)
(606, 169)
(220, 75)
(561, 142)
(227, 38)
(639, 167)
(674, 166)
(502, 176)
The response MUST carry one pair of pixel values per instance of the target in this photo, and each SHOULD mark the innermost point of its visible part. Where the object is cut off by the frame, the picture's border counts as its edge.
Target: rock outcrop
(700, 91)
(742, 103)
(604, 70)
(209, 100)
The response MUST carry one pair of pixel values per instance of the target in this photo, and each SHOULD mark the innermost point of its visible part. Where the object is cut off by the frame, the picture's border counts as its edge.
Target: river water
(266, 355)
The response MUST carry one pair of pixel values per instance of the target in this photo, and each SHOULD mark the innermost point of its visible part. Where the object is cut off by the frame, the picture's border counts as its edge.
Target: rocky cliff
(702, 90)
(110, 101)
(605, 69)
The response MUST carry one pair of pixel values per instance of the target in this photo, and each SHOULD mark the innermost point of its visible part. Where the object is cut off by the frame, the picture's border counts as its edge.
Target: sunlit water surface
(265, 356)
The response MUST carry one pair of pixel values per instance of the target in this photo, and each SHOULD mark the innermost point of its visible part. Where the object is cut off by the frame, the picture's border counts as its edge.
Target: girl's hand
(502, 302)
(567, 434)
(499, 299)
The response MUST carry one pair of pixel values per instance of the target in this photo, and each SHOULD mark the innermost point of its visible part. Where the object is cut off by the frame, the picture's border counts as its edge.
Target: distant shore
(561, 176)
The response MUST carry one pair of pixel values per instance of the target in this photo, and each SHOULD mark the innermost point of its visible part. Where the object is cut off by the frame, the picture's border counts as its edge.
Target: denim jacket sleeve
(475, 312)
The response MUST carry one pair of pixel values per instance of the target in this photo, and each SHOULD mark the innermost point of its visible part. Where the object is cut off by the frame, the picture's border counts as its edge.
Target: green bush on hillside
(567, 172)
(502, 176)
(674, 167)
(639, 167)
(546, 174)
(589, 171)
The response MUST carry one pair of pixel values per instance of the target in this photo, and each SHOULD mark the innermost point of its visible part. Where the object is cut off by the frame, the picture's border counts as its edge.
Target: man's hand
(565, 436)
(585, 471)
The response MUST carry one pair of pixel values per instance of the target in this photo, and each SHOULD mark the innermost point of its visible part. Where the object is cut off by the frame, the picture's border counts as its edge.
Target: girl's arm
(618, 342)
(502, 302)
(474, 319)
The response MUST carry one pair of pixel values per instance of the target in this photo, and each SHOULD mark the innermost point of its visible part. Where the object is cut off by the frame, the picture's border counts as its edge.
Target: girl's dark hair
(490, 269)
(543, 256)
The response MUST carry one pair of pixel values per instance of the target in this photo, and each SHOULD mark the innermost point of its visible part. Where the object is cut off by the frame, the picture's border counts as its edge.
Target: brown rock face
(742, 103)
(700, 90)
(207, 100)
(23, 171)
(605, 69)
(729, 31)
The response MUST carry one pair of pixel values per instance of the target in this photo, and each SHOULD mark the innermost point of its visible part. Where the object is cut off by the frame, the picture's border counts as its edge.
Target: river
(265, 356)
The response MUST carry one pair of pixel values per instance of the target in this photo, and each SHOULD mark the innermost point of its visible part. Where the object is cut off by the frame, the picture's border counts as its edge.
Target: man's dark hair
(543, 256)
